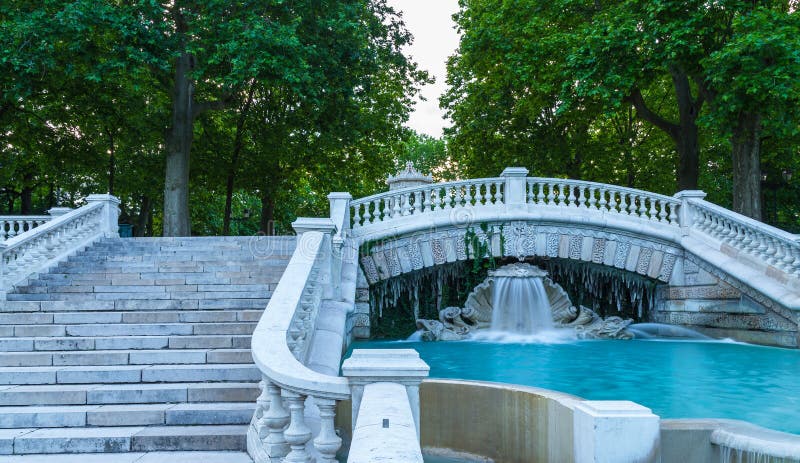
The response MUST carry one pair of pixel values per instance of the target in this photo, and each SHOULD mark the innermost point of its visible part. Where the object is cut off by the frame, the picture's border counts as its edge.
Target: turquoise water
(676, 379)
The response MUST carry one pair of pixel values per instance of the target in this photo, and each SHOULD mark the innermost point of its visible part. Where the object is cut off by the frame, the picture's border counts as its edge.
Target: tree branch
(644, 112)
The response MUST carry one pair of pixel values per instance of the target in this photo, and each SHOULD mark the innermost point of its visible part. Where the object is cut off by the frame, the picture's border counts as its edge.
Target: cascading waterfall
(520, 302)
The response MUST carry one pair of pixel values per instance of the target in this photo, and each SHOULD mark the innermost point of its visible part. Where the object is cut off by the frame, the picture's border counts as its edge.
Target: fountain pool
(676, 379)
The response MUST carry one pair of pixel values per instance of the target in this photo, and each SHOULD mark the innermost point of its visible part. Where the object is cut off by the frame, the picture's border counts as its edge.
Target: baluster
(550, 194)
(499, 188)
(377, 212)
(396, 209)
(530, 198)
(262, 404)
(470, 195)
(796, 253)
(581, 196)
(441, 193)
(673, 213)
(428, 204)
(298, 433)
(357, 216)
(780, 253)
(788, 256)
(592, 198)
(540, 196)
(630, 200)
(403, 203)
(771, 251)
(327, 442)
(561, 196)
(652, 212)
(642, 207)
(12, 228)
(571, 189)
(662, 211)
(418, 207)
(368, 217)
(458, 196)
(623, 202)
(612, 200)
(276, 418)
(479, 195)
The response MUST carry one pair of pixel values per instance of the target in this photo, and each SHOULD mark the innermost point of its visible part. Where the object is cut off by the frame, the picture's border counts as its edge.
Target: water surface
(676, 379)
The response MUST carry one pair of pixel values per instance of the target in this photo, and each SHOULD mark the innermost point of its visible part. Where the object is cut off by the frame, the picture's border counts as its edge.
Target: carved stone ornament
(408, 177)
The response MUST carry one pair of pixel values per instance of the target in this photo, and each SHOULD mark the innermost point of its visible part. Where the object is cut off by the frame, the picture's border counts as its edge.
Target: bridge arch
(719, 271)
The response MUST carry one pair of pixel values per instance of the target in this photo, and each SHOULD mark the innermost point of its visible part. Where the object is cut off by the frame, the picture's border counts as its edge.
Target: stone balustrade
(280, 346)
(420, 200)
(768, 245)
(39, 247)
(13, 225)
(610, 199)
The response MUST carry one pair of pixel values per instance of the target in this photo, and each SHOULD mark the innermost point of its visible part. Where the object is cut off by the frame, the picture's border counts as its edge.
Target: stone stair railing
(282, 346)
(13, 225)
(764, 243)
(40, 247)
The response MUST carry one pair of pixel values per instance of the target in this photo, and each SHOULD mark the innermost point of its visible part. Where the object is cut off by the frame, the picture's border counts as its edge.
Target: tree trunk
(234, 166)
(26, 198)
(267, 213)
(179, 142)
(140, 227)
(684, 133)
(112, 162)
(746, 145)
(688, 173)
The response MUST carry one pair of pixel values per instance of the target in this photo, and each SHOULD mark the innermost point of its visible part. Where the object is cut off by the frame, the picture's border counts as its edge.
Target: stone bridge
(717, 271)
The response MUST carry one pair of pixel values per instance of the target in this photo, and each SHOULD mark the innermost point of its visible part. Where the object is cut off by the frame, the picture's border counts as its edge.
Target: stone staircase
(137, 345)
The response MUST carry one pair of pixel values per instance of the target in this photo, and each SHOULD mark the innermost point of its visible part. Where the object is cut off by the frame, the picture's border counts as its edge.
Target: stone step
(120, 394)
(90, 374)
(75, 318)
(127, 329)
(93, 305)
(125, 357)
(183, 414)
(29, 344)
(128, 293)
(133, 457)
(129, 439)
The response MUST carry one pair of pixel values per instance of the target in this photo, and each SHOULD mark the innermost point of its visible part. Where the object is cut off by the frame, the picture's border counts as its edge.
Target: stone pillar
(340, 216)
(110, 214)
(515, 188)
(614, 431)
(685, 216)
(401, 366)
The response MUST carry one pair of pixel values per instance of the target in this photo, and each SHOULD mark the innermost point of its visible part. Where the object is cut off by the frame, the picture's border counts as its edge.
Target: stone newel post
(340, 216)
(110, 214)
(399, 366)
(515, 187)
(685, 214)
(611, 431)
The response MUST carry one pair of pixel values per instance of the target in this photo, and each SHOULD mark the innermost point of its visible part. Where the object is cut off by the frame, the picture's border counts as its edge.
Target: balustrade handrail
(51, 225)
(25, 217)
(270, 348)
(743, 220)
(40, 247)
(607, 186)
(428, 187)
(31, 221)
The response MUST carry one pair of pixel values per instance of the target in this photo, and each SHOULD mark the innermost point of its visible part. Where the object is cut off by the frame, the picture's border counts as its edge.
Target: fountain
(520, 299)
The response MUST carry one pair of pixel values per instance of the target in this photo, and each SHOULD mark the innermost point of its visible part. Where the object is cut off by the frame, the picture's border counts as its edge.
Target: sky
(434, 40)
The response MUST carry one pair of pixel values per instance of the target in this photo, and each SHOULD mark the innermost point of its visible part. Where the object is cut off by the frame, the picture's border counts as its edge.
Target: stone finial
(408, 177)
